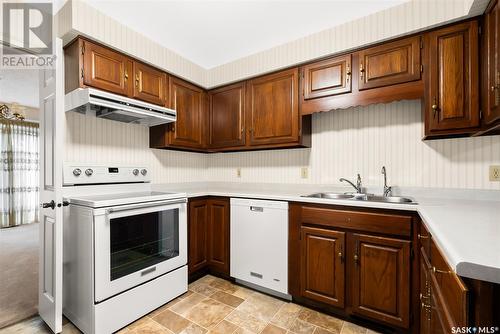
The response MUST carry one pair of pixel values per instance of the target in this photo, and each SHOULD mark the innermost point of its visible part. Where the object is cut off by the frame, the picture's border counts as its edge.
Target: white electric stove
(125, 246)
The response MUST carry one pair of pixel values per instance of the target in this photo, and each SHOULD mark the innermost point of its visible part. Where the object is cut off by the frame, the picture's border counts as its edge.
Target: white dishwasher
(259, 243)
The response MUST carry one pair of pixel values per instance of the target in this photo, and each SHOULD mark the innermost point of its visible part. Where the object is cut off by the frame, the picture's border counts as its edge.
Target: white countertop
(465, 224)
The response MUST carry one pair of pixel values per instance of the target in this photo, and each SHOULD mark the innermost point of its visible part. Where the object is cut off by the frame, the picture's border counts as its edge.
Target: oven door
(136, 243)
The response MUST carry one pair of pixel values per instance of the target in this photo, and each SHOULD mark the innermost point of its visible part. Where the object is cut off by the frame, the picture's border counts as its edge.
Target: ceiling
(212, 33)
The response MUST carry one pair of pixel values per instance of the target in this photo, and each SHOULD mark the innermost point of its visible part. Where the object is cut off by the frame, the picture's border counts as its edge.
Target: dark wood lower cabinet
(354, 262)
(322, 265)
(208, 236)
(381, 279)
(197, 235)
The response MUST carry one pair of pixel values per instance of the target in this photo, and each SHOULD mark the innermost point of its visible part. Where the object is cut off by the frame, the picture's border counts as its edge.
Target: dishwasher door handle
(256, 208)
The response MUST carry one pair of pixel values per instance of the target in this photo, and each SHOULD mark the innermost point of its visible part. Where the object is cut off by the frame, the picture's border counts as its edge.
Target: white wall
(344, 142)
(92, 140)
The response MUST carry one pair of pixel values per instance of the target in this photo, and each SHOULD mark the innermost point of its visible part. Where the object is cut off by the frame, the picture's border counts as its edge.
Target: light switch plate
(495, 173)
(304, 172)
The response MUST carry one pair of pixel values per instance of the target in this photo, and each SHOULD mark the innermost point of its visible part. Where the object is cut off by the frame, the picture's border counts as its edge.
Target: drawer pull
(256, 275)
(423, 297)
(440, 271)
(426, 306)
(257, 209)
(148, 271)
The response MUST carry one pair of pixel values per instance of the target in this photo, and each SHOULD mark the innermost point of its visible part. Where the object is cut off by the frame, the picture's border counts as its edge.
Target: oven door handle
(145, 205)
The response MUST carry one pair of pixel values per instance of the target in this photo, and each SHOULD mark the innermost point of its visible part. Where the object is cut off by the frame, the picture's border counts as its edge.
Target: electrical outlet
(304, 172)
(238, 172)
(495, 173)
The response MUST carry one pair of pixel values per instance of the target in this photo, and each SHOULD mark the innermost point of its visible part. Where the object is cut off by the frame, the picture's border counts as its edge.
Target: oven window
(141, 241)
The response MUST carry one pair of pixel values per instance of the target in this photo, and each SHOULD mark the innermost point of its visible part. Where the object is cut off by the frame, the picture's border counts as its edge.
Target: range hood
(117, 108)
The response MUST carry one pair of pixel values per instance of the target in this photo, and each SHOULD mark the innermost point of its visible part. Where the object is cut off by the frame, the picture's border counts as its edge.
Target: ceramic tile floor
(216, 306)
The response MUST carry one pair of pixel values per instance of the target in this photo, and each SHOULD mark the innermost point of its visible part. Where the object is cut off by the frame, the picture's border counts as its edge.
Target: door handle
(257, 208)
(254, 274)
(51, 205)
(148, 271)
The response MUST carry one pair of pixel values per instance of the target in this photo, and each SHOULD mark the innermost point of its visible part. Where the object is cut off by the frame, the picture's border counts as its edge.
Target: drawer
(449, 287)
(361, 221)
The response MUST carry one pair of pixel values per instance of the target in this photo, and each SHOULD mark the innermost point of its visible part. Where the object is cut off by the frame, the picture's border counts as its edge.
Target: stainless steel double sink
(363, 197)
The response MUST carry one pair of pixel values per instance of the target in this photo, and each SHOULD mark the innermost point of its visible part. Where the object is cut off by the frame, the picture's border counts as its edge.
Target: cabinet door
(187, 100)
(390, 63)
(322, 265)
(327, 78)
(106, 69)
(492, 64)
(227, 118)
(218, 235)
(149, 84)
(381, 281)
(452, 101)
(273, 115)
(197, 235)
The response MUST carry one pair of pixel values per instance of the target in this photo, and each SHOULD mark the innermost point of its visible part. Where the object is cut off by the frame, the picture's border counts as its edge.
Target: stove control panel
(86, 174)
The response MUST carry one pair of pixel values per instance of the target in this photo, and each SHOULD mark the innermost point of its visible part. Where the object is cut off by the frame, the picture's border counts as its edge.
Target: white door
(51, 149)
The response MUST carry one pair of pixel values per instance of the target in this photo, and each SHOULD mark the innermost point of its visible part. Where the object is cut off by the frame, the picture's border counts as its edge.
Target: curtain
(19, 182)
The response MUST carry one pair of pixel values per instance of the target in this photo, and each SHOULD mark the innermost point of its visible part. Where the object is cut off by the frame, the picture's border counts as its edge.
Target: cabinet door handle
(137, 80)
(356, 258)
(420, 236)
(434, 107)
(348, 73)
(126, 75)
(435, 270)
(361, 71)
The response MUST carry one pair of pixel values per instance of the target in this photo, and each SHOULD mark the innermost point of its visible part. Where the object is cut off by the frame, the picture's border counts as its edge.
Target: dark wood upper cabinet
(227, 116)
(272, 109)
(327, 78)
(381, 279)
(188, 101)
(150, 84)
(105, 69)
(491, 64)
(390, 63)
(322, 265)
(197, 235)
(452, 101)
(218, 235)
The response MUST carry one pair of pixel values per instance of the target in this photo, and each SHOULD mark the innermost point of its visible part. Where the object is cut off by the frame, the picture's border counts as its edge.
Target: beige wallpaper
(344, 142)
(362, 140)
(91, 140)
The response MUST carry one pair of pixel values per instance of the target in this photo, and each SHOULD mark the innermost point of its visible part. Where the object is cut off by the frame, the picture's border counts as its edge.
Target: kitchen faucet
(357, 186)
(387, 189)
